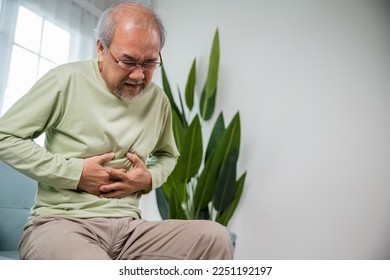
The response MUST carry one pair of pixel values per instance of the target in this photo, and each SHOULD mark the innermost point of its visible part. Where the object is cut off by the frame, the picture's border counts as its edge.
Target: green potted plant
(204, 183)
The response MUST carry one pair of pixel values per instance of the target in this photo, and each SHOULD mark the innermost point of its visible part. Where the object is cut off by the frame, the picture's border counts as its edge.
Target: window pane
(28, 29)
(22, 75)
(44, 66)
(55, 43)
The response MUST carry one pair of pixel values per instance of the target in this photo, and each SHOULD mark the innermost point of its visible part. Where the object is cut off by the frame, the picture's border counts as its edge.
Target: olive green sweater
(81, 118)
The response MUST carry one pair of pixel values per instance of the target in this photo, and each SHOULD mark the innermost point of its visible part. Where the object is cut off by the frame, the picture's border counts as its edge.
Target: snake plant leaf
(216, 134)
(168, 92)
(191, 153)
(171, 191)
(162, 203)
(226, 183)
(196, 189)
(176, 184)
(204, 214)
(208, 96)
(166, 86)
(230, 141)
(168, 197)
(224, 217)
(176, 210)
(205, 187)
(212, 74)
(183, 116)
(178, 129)
(207, 105)
(190, 87)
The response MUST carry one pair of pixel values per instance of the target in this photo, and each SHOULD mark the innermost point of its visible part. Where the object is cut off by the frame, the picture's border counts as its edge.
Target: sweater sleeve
(163, 159)
(31, 116)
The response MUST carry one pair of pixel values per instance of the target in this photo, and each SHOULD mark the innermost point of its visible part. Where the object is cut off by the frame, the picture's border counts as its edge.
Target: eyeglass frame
(123, 64)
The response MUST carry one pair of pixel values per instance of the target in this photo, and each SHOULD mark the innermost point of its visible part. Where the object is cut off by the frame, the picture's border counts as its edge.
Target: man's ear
(100, 50)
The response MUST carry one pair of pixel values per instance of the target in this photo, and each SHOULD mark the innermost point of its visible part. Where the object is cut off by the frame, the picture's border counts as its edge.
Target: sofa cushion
(9, 255)
(17, 194)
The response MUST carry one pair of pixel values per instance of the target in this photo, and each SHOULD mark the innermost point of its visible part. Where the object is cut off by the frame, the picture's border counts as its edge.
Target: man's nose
(137, 73)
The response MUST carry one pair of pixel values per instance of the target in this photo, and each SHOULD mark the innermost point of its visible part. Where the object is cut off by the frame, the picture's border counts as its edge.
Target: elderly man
(109, 141)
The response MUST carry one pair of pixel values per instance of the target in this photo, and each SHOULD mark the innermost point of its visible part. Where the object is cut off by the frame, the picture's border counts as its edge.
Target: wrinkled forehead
(136, 35)
(141, 24)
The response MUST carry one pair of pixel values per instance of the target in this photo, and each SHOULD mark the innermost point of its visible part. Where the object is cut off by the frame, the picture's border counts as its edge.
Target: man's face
(130, 44)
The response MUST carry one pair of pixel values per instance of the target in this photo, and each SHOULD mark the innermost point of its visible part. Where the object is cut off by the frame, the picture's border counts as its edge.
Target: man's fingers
(116, 173)
(113, 194)
(105, 157)
(114, 190)
(111, 187)
(135, 159)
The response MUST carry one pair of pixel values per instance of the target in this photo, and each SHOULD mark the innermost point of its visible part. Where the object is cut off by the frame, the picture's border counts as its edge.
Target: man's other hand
(94, 175)
(137, 179)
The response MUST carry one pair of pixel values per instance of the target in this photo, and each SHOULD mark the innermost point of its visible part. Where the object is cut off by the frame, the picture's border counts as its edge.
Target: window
(39, 45)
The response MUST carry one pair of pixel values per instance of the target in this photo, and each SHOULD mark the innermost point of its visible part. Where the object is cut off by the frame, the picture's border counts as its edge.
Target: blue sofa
(17, 194)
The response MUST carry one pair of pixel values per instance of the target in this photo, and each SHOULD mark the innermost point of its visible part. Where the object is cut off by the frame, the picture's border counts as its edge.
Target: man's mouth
(130, 89)
(133, 83)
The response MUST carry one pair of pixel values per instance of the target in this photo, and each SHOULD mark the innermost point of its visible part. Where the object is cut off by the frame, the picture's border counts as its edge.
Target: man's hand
(94, 175)
(137, 179)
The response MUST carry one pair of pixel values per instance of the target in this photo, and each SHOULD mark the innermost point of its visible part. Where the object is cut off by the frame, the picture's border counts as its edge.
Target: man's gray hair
(109, 19)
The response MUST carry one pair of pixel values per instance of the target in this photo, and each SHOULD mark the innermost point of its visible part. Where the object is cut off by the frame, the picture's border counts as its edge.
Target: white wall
(311, 80)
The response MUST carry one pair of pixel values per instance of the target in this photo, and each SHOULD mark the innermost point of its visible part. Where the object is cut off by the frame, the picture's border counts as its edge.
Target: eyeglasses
(131, 64)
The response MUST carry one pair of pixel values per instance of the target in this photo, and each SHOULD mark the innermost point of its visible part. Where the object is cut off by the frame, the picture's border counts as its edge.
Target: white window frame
(82, 44)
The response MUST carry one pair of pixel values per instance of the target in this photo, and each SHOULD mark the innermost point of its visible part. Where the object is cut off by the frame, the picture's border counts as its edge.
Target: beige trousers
(54, 238)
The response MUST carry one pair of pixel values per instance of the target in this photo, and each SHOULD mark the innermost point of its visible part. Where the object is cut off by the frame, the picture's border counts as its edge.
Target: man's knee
(218, 239)
(214, 230)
